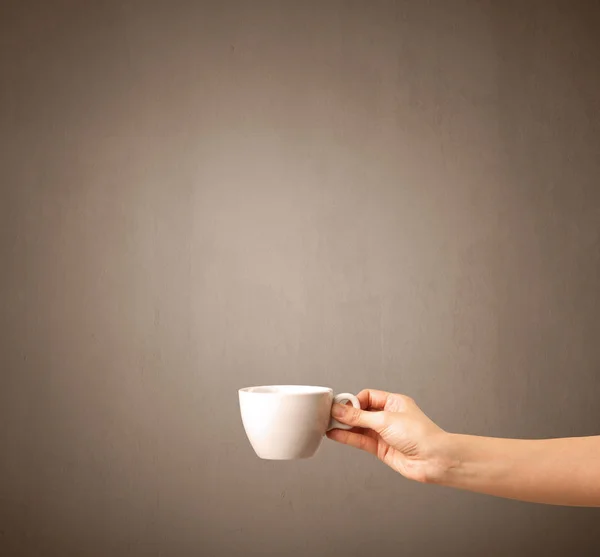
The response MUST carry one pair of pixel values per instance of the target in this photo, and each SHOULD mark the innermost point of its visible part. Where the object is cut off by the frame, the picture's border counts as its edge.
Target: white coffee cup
(285, 422)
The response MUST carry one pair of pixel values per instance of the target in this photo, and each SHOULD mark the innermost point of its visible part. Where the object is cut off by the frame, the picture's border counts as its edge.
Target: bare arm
(552, 471)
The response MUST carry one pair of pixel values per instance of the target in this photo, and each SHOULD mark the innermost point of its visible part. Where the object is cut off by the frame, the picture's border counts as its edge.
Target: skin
(394, 429)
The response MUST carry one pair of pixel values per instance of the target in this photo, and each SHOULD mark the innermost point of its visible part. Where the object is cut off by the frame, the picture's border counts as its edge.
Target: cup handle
(343, 398)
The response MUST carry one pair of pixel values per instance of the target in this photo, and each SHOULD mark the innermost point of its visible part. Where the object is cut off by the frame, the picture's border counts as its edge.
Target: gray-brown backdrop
(200, 196)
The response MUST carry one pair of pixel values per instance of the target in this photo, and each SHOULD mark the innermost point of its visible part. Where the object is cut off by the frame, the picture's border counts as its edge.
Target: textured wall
(199, 196)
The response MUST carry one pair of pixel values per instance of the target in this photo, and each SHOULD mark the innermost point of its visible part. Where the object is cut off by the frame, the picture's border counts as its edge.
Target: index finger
(372, 399)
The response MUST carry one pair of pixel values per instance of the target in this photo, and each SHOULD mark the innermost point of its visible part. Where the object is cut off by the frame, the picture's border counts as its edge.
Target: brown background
(200, 196)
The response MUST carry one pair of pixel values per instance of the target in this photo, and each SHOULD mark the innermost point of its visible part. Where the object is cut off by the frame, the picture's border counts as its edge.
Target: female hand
(554, 471)
(393, 428)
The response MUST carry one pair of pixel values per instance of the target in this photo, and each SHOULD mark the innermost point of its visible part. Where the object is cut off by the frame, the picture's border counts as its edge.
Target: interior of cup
(286, 389)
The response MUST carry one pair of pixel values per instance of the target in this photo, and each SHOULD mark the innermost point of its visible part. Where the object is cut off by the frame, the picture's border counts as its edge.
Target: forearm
(553, 471)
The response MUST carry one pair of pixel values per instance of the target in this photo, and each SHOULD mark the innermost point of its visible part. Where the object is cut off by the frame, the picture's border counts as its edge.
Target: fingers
(356, 417)
(354, 439)
(372, 399)
(366, 431)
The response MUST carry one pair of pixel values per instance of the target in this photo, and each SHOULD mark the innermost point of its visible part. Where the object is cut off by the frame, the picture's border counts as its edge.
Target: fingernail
(338, 410)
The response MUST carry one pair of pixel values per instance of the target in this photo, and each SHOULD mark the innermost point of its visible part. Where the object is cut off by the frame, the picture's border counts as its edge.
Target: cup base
(285, 457)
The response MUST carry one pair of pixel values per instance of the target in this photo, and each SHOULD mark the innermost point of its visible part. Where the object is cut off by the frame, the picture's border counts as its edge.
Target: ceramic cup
(285, 422)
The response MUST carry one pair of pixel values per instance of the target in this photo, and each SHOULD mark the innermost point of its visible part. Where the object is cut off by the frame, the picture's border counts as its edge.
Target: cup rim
(289, 390)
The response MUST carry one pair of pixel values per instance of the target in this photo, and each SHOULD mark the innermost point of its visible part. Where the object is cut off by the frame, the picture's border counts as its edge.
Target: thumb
(356, 417)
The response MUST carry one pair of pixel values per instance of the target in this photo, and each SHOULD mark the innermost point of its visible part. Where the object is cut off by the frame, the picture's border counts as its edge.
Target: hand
(393, 428)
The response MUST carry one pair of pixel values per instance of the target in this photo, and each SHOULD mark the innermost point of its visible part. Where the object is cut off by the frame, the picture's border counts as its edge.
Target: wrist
(473, 462)
(446, 459)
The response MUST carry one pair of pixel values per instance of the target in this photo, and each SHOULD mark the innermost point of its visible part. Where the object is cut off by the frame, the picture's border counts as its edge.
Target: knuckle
(363, 442)
(363, 394)
(404, 401)
(354, 415)
(343, 436)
